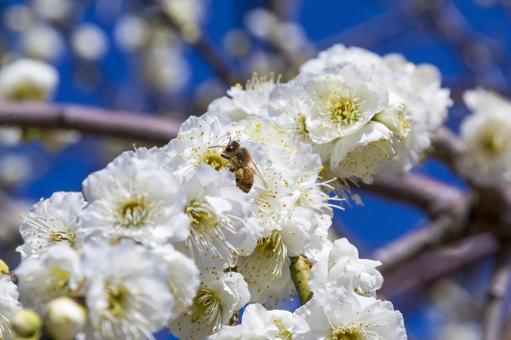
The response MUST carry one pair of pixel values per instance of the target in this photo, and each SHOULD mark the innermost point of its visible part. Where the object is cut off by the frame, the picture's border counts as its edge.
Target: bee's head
(232, 146)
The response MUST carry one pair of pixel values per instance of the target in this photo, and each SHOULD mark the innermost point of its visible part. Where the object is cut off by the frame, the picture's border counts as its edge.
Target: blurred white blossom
(27, 79)
(89, 42)
(42, 41)
(486, 134)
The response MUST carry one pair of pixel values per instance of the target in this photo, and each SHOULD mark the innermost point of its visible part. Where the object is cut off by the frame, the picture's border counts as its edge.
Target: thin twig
(407, 247)
(136, 127)
(447, 147)
(419, 191)
(202, 44)
(495, 300)
(438, 263)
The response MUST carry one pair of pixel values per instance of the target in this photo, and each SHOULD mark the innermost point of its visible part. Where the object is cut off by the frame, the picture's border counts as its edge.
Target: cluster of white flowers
(364, 114)
(185, 236)
(486, 134)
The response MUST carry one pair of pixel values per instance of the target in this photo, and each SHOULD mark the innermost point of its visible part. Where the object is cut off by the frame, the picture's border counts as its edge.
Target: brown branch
(419, 191)
(438, 263)
(495, 301)
(136, 127)
(215, 59)
(447, 147)
(444, 229)
(202, 44)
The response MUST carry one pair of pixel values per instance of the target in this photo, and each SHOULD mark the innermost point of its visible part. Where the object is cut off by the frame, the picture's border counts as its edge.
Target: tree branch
(494, 308)
(424, 193)
(447, 147)
(438, 263)
(438, 232)
(139, 127)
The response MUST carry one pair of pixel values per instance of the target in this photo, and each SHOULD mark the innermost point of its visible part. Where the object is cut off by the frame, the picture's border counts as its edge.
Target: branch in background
(424, 193)
(447, 147)
(286, 10)
(413, 244)
(136, 127)
(206, 49)
(438, 263)
(215, 59)
(495, 301)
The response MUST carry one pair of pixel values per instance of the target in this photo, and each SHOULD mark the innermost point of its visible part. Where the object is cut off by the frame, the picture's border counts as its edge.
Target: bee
(240, 164)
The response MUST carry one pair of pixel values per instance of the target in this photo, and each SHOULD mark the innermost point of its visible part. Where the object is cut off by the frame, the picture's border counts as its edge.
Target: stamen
(346, 333)
(270, 253)
(133, 212)
(214, 159)
(207, 230)
(207, 307)
(344, 111)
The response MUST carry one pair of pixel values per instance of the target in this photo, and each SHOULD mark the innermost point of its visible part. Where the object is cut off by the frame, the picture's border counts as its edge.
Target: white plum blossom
(126, 292)
(27, 79)
(216, 214)
(51, 221)
(136, 196)
(9, 305)
(417, 103)
(43, 41)
(486, 134)
(340, 100)
(361, 154)
(259, 323)
(199, 142)
(336, 313)
(339, 265)
(183, 277)
(186, 235)
(89, 42)
(242, 102)
(215, 305)
(186, 12)
(55, 273)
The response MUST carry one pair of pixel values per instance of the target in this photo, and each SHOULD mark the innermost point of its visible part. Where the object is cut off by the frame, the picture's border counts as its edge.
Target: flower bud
(4, 268)
(26, 325)
(65, 318)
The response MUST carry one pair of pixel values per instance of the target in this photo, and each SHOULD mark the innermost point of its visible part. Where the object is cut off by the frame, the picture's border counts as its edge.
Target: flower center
(207, 307)
(493, 142)
(27, 91)
(201, 215)
(117, 298)
(302, 128)
(351, 333)
(344, 111)
(60, 277)
(57, 236)
(214, 159)
(272, 247)
(133, 212)
(284, 333)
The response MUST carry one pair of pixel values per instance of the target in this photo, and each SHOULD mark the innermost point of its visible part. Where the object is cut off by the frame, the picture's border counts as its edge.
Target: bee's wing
(259, 173)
